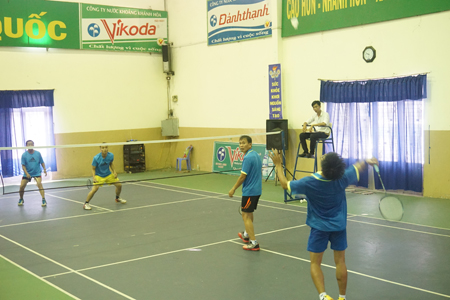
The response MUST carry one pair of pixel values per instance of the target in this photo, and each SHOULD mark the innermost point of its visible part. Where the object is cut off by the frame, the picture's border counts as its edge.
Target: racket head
(89, 184)
(391, 208)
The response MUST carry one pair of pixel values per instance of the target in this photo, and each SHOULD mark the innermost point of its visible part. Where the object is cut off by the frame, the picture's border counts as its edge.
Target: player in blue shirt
(251, 180)
(103, 171)
(31, 166)
(327, 212)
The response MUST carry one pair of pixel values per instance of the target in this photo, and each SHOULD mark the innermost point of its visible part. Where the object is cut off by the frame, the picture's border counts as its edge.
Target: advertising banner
(306, 16)
(238, 20)
(122, 29)
(52, 24)
(228, 156)
(275, 107)
(36, 23)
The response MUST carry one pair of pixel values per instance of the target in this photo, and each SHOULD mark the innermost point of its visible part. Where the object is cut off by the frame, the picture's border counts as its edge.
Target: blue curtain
(17, 109)
(381, 118)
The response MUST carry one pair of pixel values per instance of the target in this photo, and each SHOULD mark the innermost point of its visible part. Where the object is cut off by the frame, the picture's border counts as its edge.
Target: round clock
(369, 54)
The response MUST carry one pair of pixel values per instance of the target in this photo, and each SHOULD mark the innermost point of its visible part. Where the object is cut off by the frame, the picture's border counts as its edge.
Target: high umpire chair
(323, 141)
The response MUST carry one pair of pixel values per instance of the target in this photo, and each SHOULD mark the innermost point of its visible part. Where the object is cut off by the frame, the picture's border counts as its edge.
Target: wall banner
(52, 24)
(122, 29)
(228, 156)
(306, 16)
(238, 20)
(275, 104)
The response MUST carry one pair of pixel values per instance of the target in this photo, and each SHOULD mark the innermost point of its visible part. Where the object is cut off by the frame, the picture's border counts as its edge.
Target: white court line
(400, 222)
(40, 278)
(354, 272)
(80, 202)
(67, 268)
(135, 259)
(399, 228)
(103, 212)
(165, 253)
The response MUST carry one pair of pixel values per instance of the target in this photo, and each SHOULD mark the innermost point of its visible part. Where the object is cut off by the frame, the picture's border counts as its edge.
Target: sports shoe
(20, 202)
(120, 200)
(86, 206)
(243, 238)
(251, 247)
(340, 298)
(44, 203)
(327, 297)
(311, 155)
(303, 154)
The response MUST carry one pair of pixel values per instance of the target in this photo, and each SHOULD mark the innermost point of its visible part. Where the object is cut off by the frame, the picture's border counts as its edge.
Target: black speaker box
(165, 53)
(274, 141)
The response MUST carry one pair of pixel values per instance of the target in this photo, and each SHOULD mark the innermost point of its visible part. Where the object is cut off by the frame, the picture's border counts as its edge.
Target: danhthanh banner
(228, 156)
(52, 24)
(238, 20)
(307, 16)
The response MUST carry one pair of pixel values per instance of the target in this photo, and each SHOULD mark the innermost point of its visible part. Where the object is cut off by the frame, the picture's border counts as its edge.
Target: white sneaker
(120, 200)
(86, 206)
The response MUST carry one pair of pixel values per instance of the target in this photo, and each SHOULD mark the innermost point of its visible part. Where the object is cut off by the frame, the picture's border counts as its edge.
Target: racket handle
(376, 168)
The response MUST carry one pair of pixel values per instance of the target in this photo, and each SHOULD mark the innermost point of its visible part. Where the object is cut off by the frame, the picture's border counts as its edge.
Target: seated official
(320, 118)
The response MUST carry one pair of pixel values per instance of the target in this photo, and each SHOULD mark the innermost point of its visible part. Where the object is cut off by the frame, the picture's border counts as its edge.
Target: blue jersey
(102, 164)
(327, 204)
(251, 166)
(32, 163)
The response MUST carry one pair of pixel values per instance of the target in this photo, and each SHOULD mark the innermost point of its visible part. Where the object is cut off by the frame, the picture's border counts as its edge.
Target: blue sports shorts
(318, 240)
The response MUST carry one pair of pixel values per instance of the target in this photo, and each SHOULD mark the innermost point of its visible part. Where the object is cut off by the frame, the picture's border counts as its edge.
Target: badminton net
(136, 161)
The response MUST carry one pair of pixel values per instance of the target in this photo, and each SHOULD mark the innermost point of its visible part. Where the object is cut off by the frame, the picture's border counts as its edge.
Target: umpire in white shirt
(314, 132)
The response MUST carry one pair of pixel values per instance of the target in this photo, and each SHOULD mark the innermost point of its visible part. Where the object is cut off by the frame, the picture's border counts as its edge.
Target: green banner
(52, 24)
(307, 16)
(36, 23)
(228, 156)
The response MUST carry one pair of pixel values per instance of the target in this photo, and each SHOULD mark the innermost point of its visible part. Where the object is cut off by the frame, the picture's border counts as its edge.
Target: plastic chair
(186, 157)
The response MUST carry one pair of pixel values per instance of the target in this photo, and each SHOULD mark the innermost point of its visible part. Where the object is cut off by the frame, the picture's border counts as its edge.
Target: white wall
(226, 85)
(405, 46)
(94, 90)
(222, 86)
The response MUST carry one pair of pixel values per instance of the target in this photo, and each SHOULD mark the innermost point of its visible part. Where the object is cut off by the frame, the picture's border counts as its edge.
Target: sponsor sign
(52, 24)
(39, 23)
(275, 107)
(122, 29)
(306, 16)
(228, 156)
(238, 20)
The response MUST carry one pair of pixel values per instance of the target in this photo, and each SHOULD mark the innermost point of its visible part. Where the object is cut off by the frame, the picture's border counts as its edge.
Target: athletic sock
(245, 233)
(342, 296)
(254, 242)
(322, 296)
(117, 197)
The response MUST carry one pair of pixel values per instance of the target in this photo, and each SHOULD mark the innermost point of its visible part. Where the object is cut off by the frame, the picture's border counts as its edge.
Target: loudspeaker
(166, 58)
(274, 141)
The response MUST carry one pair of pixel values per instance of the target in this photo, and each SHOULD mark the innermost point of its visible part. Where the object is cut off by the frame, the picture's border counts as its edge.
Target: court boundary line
(353, 272)
(221, 197)
(66, 267)
(102, 212)
(77, 272)
(165, 253)
(39, 277)
(272, 201)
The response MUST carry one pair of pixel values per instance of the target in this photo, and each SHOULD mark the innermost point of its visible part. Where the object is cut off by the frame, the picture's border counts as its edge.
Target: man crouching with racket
(103, 171)
(327, 212)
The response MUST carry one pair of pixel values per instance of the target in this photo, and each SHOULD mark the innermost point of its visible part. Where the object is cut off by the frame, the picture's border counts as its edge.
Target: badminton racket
(89, 184)
(391, 208)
